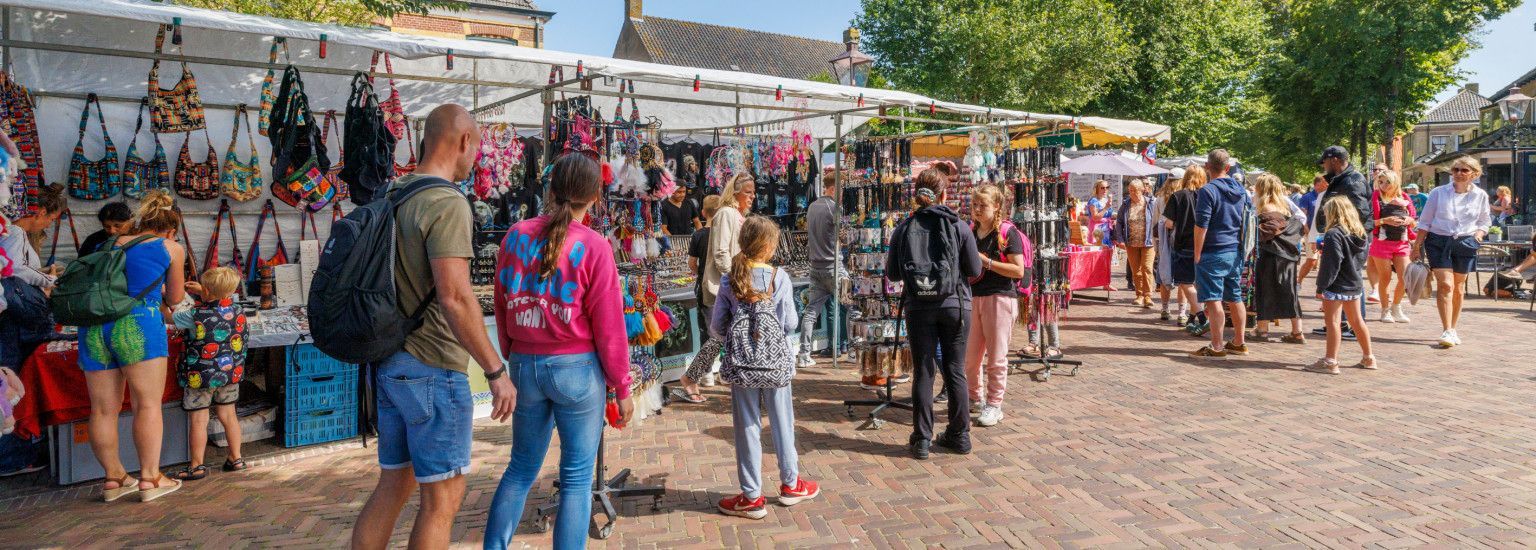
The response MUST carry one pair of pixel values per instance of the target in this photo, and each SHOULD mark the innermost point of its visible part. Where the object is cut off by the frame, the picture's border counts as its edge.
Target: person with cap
(1344, 180)
(1416, 196)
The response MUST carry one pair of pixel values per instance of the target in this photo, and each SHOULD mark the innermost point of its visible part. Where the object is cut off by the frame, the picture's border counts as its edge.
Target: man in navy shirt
(1221, 207)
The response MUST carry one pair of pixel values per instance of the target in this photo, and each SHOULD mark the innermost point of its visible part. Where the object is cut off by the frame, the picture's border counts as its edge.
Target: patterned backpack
(142, 176)
(241, 182)
(198, 181)
(757, 353)
(178, 109)
(93, 179)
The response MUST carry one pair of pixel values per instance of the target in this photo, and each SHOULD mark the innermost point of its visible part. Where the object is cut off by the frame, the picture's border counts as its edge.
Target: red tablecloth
(1089, 268)
(56, 391)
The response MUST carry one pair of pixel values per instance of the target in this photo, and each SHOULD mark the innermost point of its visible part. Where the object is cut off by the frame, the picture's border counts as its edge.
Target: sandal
(234, 465)
(152, 493)
(680, 394)
(192, 473)
(1030, 352)
(123, 488)
(1294, 338)
(1368, 363)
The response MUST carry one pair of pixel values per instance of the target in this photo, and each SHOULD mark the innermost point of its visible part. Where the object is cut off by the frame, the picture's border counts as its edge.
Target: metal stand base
(1047, 366)
(886, 401)
(603, 493)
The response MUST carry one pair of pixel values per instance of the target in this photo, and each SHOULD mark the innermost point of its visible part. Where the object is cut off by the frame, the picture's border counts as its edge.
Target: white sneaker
(1455, 337)
(1397, 311)
(1448, 339)
(708, 381)
(1386, 315)
(990, 416)
(805, 361)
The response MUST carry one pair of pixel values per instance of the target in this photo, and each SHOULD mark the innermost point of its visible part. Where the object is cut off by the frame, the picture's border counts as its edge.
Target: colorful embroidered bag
(253, 261)
(370, 147)
(268, 93)
(93, 179)
(18, 119)
(333, 176)
(299, 162)
(241, 182)
(178, 109)
(392, 107)
(198, 181)
(142, 176)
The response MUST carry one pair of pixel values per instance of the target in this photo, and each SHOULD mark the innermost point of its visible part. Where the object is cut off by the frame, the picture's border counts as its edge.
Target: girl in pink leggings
(994, 303)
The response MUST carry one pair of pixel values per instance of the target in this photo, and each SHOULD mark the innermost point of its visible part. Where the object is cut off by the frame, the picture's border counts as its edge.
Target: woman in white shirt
(1451, 228)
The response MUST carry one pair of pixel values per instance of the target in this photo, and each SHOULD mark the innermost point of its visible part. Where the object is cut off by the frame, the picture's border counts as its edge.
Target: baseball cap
(1334, 152)
(1411, 187)
(1176, 173)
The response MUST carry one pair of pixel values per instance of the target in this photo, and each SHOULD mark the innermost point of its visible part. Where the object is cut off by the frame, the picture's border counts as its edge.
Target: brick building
(518, 22)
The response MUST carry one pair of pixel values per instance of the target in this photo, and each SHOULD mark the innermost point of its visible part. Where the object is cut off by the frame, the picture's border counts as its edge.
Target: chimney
(633, 9)
(1472, 87)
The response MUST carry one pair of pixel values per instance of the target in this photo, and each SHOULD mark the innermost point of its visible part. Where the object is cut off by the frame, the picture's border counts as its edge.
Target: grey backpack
(757, 353)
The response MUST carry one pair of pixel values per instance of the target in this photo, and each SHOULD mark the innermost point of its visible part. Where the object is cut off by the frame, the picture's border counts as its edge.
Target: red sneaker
(743, 507)
(803, 490)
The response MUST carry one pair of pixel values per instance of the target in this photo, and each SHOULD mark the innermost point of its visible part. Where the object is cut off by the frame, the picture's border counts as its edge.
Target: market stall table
(1088, 268)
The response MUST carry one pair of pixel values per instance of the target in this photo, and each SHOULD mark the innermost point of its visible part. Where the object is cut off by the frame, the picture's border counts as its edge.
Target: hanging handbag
(58, 227)
(268, 93)
(178, 109)
(369, 152)
(333, 176)
(253, 261)
(141, 176)
(241, 182)
(198, 181)
(20, 124)
(392, 107)
(299, 162)
(211, 255)
(409, 166)
(93, 179)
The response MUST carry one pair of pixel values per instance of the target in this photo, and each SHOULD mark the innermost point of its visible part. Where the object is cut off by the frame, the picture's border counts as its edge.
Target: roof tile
(691, 44)
(1462, 107)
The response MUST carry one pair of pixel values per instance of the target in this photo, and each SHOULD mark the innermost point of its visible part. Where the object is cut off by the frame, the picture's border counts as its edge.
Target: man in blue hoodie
(1220, 210)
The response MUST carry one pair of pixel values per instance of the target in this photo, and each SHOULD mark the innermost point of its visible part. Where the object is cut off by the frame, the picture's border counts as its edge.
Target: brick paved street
(1145, 448)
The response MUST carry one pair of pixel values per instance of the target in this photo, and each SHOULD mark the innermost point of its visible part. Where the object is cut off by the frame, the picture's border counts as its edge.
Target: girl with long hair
(754, 289)
(1179, 220)
(1338, 282)
(1280, 227)
(725, 227)
(994, 303)
(1503, 205)
(1391, 243)
(559, 319)
(132, 351)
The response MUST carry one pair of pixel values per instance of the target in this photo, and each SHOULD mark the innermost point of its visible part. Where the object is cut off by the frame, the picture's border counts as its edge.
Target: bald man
(424, 403)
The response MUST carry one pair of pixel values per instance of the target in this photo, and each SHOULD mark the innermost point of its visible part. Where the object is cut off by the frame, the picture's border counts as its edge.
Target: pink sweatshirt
(558, 316)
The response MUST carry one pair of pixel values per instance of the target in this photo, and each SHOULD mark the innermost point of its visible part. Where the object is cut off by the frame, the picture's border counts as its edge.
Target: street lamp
(851, 68)
(1515, 106)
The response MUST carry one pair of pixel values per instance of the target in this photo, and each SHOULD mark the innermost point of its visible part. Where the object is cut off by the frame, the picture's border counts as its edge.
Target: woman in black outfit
(934, 253)
(1281, 225)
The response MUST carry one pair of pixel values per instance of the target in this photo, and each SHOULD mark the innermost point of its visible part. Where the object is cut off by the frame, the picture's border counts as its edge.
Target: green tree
(1194, 65)
(1041, 55)
(344, 12)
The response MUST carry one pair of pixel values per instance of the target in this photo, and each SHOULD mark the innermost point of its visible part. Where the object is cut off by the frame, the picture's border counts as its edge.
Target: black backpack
(368, 146)
(293, 131)
(930, 263)
(354, 309)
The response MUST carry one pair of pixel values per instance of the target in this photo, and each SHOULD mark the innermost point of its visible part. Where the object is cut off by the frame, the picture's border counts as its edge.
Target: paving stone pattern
(1146, 448)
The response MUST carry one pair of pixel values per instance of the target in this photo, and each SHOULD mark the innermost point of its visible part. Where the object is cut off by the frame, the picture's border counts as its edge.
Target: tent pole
(738, 108)
(529, 93)
(548, 98)
(837, 243)
(5, 27)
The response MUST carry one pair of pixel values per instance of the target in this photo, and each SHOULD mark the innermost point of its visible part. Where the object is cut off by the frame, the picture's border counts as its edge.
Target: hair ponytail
(931, 184)
(759, 238)
(157, 214)
(575, 179)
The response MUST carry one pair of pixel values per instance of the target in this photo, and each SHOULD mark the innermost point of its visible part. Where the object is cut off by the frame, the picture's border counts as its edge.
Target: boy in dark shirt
(114, 218)
(679, 214)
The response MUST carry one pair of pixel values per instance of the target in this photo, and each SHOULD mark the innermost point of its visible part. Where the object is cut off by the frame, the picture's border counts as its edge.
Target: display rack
(1040, 211)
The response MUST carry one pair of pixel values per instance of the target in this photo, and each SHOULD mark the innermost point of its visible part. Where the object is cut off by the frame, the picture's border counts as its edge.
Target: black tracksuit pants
(931, 331)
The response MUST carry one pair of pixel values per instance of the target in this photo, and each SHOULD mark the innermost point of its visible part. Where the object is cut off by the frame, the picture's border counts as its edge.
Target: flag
(1150, 154)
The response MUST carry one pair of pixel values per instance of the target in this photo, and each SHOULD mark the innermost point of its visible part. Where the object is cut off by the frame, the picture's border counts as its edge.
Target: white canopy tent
(65, 49)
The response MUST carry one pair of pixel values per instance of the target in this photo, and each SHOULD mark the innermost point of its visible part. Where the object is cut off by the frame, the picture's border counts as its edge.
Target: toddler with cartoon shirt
(213, 362)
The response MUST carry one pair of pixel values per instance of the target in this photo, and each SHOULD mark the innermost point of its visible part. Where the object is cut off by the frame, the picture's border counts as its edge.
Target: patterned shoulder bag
(253, 262)
(211, 256)
(178, 109)
(241, 182)
(142, 176)
(93, 179)
(410, 144)
(333, 176)
(393, 108)
(268, 92)
(198, 181)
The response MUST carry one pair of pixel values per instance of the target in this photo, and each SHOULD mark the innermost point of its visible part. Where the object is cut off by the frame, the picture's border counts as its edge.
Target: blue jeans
(426, 418)
(553, 391)
(1217, 277)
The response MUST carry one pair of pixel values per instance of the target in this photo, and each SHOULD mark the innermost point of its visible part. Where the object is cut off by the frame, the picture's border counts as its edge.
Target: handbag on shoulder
(141, 176)
(93, 179)
(178, 109)
(198, 181)
(241, 182)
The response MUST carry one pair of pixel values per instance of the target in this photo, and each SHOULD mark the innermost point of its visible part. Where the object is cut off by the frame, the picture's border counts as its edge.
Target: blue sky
(592, 27)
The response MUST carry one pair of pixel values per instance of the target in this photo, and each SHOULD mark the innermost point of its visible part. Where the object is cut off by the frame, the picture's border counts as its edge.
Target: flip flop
(680, 394)
(191, 473)
(234, 465)
(158, 490)
(124, 488)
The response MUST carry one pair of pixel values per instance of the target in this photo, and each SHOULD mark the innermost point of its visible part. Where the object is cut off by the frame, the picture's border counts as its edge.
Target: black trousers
(934, 333)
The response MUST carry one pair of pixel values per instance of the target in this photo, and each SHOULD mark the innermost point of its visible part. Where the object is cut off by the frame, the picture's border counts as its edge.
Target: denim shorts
(1217, 277)
(1458, 255)
(426, 416)
(136, 337)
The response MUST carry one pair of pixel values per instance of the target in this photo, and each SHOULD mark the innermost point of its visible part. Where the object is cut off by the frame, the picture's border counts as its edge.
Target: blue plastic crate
(309, 428)
(307, 360)
(321, 391)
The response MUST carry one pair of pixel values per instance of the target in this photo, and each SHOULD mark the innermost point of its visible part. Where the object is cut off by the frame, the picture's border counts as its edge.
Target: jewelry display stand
(1040, 211)
(603, 494)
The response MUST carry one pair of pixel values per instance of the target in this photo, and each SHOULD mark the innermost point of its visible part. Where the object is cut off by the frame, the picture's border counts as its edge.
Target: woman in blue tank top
(131, 351)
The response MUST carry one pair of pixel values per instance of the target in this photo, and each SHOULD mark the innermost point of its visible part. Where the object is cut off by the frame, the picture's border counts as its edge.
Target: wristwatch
(491, 376)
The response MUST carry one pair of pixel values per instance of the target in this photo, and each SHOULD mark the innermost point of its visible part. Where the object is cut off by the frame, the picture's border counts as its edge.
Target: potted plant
(1495, 234)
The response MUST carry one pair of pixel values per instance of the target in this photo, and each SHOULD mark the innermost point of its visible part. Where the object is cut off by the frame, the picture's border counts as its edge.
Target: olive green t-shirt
(436, 223)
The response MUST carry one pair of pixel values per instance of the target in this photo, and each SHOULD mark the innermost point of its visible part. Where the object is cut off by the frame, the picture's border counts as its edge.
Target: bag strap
(336, 212)
(272, 56)
(213, 158)
(308, 215)
(325, 130)
(362, 92)
(54, 253)
(139, 126)
(389, 68)
(85, 117)
(186, 241)
(410, 141)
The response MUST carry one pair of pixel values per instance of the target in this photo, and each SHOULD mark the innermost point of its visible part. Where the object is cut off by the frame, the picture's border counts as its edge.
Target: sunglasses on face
(1461, 170)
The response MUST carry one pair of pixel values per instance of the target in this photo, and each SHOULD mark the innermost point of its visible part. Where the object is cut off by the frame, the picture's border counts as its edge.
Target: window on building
(493, 38)
(1439, 143)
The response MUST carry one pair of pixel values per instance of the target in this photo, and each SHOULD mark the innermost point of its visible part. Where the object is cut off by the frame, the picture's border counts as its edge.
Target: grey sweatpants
(822, 284)
(747, 413)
